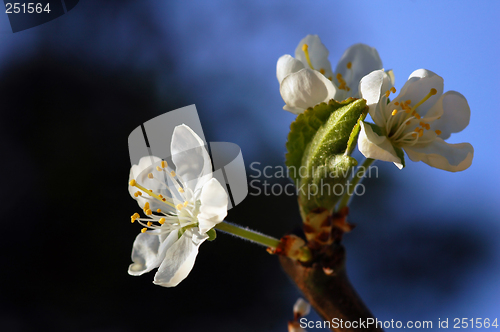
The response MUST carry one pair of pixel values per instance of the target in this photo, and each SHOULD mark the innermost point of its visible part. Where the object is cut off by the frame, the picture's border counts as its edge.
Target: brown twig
(323, 280)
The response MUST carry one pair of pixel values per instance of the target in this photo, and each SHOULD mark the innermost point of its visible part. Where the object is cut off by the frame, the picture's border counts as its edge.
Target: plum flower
(300, 309)
(308, 80)
(418, 121)
(181, 207)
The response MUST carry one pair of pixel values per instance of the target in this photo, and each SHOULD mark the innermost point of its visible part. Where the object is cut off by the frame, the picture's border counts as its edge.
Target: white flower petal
(389, 80)
(370, 88)
(190, 157)
(213, 207)
(377, 147)
(287, 65)
(318, 54)
(419, 84)
(149, 251)
(294, 110)
(442, 155)
(140, 174)
(301, 308)
(179, 259)
(364, 59)
(455, 114)
(305, 88)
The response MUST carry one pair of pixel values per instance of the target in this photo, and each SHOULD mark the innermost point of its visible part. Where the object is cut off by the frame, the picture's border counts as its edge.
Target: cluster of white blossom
(182, 206)
(418, 120)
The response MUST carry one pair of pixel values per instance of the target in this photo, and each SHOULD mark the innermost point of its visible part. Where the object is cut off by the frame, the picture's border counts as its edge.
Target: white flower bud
(301, 308)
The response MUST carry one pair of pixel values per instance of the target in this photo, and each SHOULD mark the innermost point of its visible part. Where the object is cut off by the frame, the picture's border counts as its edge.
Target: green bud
(319, 144)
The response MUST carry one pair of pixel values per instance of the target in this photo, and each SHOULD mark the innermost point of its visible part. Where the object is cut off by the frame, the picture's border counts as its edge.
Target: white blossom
(308, 79)
(180, 205)
(417, 121)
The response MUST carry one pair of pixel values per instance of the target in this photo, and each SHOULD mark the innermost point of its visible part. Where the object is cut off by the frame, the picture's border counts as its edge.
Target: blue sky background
(224, 55)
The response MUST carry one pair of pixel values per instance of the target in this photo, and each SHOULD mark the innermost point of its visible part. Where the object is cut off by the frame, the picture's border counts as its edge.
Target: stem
(332, 295)
(357, 177)
(247, 234)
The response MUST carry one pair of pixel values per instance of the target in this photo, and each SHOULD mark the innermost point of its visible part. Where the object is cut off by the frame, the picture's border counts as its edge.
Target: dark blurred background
(73, 89)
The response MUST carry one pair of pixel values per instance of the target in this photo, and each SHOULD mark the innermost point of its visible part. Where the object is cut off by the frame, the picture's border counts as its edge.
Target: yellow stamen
(146, 206)
(164, 164)
(393, 90)
(134, 217)
(342, 82)
(322, 71)
(179, 206)
(149, 223)
(136, 194)
(181, 190)
(161, 221)
(305, 48)
(430, 94)
(420, 133)
(438, 132)
(396, 103)
(330, 78)
(172, 173)
(150, 175)
(149, 192)
(408, 102)
(158, 210)
(417, 130)
(159, 169)
(408, 122)
(186, 203)
(406, 108)
(349, 65)
(148, 212)
(394, 112)
(144, 230)
(387, 93)
(414, 134)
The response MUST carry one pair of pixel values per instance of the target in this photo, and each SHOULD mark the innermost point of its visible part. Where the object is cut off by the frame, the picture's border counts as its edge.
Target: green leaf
(327, 183)
(325, 165)
(353, 138)
(304, 128)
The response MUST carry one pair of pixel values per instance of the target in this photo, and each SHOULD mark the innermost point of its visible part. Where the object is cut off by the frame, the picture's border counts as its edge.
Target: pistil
(305, 48)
